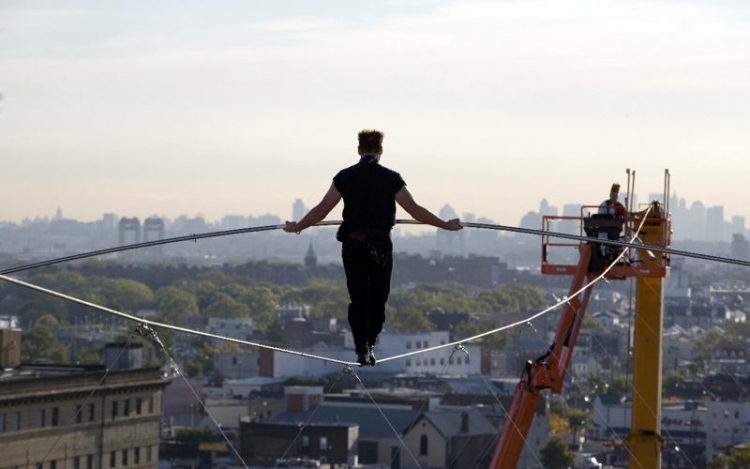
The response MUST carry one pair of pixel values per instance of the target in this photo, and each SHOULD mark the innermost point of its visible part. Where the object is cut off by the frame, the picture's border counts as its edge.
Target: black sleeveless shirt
(369, 191)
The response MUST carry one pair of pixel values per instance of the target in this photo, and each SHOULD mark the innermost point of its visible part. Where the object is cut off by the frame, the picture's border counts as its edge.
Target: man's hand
(454, 225)
(291, 227)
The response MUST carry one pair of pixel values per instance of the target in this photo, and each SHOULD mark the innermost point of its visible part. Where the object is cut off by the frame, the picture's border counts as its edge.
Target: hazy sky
(240, 107)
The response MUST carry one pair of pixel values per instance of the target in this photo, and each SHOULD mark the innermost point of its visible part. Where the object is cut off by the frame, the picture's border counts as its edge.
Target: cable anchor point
(461, 348)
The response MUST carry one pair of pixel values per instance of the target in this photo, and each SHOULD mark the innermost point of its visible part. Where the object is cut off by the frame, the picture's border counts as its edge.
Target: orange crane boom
(547, 372)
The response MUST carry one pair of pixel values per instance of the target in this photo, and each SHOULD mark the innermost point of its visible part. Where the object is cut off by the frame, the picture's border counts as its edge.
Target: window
(136, 456)
(124, 457)
(148, 454)
(466, 360)
(90, 461)
(15, 421)
(40, 418)
(114, 409)
(150, 405)
(426, 343)
(77, 462)
(138, 405)
(78, 416)
(408, 362)
(408, 344)
(53, 464)
(423, 445)
(2, 423)
(432, 361)
(419, 344)
(55, 416)
(323, 443)
(442, 361)
(112, 459)
(305, 441)
(92, 413)
(126, 407)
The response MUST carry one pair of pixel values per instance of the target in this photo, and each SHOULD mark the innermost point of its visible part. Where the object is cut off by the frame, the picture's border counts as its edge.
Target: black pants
(368, 263)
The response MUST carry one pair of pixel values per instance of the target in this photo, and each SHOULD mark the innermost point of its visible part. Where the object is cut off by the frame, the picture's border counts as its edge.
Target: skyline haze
(243, 107)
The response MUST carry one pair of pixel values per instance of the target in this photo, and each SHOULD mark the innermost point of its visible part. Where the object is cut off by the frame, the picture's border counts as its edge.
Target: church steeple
(310, 260)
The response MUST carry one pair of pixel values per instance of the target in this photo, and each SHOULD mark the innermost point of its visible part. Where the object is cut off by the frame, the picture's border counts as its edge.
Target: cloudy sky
(241, 107)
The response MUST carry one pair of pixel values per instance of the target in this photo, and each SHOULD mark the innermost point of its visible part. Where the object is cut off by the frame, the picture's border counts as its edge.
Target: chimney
(10, 348)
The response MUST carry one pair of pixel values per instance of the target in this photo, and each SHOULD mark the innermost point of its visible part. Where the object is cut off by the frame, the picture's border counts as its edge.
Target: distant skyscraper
(109, 221)
(153, 229)
(447, 212)
(715, 223)
(298, 210)
(571, 226)
(469, 217)
(450, 242)
(130, 226)
(680, 218)
(740, 247)
(738, 225)
(697, 221)
(546, 209)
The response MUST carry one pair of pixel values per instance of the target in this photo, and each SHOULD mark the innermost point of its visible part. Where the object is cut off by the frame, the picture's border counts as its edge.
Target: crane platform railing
(560, 256)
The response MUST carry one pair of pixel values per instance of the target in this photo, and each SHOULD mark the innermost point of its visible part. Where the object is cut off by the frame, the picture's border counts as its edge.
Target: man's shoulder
(346, 170)
(389, 171)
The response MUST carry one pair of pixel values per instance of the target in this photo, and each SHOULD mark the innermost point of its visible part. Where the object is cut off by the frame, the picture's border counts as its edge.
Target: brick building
(78, 417)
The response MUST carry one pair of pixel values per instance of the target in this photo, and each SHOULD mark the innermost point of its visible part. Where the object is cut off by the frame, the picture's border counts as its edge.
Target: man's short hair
(370, 140)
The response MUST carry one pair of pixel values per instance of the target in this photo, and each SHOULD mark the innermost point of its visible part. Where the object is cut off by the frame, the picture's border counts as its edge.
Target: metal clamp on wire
(144, 331)
(460, 347)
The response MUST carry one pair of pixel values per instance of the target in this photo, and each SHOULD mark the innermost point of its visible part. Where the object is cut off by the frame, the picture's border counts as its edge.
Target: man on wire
(370, 192)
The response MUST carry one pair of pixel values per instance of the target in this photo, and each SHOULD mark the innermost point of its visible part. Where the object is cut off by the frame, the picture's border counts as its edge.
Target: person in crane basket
(607, 223)
(612, 206)
(370, 192)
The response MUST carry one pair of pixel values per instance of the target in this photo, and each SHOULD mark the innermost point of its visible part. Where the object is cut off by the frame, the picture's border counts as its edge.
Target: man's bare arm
(421, 214)
(317, 213)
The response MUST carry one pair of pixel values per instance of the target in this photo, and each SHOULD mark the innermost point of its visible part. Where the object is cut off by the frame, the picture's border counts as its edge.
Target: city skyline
(689, 218)
(243, 107)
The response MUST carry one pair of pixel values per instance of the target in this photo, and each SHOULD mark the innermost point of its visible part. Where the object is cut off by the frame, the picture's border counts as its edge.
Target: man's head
(370, 142)
(614, 191)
